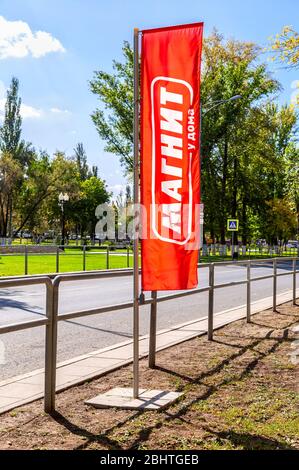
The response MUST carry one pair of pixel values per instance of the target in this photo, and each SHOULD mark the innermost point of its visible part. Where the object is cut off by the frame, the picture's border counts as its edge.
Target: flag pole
(136, 398)
(136, 235)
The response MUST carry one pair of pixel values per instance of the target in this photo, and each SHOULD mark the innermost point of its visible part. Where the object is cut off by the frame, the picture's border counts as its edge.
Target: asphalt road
(23, 350)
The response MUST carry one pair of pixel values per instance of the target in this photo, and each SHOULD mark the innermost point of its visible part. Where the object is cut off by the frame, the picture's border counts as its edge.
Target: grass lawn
(240, 392)
(14, 265)
(96, 258)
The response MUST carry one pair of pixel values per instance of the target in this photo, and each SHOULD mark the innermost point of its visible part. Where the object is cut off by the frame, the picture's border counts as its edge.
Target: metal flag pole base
(123, 398)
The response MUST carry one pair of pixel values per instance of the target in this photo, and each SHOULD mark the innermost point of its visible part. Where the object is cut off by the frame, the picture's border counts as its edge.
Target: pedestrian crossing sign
(232, 225)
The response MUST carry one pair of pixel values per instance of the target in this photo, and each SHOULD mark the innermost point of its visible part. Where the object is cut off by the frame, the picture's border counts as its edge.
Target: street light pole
(217, 103)
(63, 198)
(213, 105)
(63, 226)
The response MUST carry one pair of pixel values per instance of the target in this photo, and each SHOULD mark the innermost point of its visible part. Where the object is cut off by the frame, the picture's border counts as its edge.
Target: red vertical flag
(170, 168)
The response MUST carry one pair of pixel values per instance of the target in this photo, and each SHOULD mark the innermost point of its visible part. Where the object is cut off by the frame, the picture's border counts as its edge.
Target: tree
(81, 160)
(122, 210)
(30, 181)
(15, 150)
(229, 68)
(285, 47)
(10, 132)
(262, 145)
(93, 192)
(39, 184)
(85, 171)
(292, 178)
(45, 179)
(115, 125)
(10, 175)
(244, 142)
(281, 223)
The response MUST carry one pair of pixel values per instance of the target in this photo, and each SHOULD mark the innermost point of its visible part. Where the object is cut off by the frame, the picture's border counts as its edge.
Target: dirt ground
(240, 392)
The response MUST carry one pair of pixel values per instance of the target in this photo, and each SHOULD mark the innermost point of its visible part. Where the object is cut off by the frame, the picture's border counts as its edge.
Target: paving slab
(123, 398)
(19, 390)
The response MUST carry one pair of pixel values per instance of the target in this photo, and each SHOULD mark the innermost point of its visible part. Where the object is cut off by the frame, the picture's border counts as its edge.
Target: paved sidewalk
(26, 388)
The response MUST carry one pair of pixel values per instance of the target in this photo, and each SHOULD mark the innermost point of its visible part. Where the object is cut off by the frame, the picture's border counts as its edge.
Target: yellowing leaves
(285, 46)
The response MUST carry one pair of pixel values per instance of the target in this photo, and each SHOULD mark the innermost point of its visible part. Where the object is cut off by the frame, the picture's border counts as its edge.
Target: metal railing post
(128, 256)
(294, 281)
(274, 283)
(211, 302)
(107, 258)
(153, 332)
(53, 358)
(49, 349)
(57, 259)
(26, 260)
(84, 258)
(248, 311)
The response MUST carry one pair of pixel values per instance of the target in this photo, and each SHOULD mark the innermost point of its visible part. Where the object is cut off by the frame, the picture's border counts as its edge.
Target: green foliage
(10, 178)
(250, 157)
(10, 133)
(35, 190)
(92, 193)
(45, 179)
(16, 153)
(248, 147)
(285, 47)
(115, 123)
(81, 160)
(281, 220)
(30, 182)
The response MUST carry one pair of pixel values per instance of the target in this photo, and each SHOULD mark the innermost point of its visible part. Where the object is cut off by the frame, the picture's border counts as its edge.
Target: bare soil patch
(240, 392)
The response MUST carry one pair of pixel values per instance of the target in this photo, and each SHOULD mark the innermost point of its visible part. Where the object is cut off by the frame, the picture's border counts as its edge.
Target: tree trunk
(33, 208)
(10, 234)
(213, 235)
(234, 198)
(244, 222)
(223, 192)
(2, 218)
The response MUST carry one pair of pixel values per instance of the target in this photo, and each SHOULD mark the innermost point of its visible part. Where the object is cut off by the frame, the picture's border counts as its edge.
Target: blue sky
(86, 35)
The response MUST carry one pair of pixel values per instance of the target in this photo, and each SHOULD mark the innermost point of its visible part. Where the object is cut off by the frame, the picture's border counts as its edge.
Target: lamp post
(217, 103)
(63, 198)
(213, 104)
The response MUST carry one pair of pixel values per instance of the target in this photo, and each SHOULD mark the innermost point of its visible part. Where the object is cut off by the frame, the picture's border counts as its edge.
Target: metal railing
(72, 258)
(52, 316)
(249, 250)
(66, 258)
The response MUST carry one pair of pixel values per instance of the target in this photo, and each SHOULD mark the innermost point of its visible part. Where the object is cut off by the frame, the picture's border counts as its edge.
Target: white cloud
(2, 90)
(26, 110)
(117, 188)
(18, 40)
(295, 94)
(59, 111)
(30, 112)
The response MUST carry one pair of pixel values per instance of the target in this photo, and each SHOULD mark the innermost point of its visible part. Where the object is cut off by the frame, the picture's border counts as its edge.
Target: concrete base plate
(123, 398)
